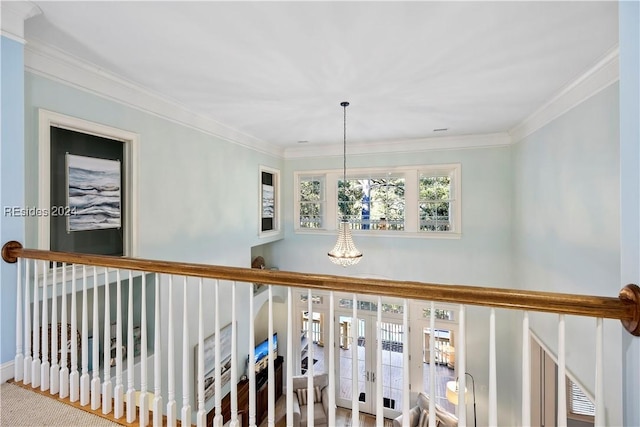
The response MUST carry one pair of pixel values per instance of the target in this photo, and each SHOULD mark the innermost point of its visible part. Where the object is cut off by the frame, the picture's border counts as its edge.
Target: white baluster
(186, 406)
(217, 419)
(118, 392)
(143, 399)
(526, 372)
(54, 373)
(600, 408)
(172, 416)
(85, 379)
(74, 377)
(461, 363)
(35, 363)
(234, 357)
(355, 405)
(107, 390)
(562, 374)
(332, 363)
(379, 375)
(201, 420)
(493, 371)
(405, 357)
(95, 381)
(157, 359)
(28, 333)
(252, 363)
(432, 365)
(310, 409)
(289, 396)
(64, 338)
(18, 363)
(131, 391)
(45, 367)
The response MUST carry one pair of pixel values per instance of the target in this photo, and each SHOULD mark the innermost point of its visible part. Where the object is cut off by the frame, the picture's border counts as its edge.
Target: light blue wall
(11, 183)
(630, 191)
(566, 228)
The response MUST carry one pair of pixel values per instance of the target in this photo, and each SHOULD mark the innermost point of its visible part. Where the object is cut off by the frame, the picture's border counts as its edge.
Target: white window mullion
(411, 217)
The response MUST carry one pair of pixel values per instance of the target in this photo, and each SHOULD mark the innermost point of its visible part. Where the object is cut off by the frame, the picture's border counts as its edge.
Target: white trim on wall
(47, 119)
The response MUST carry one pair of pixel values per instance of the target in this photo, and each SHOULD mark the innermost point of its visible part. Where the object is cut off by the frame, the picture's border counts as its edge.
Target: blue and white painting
(94, 193)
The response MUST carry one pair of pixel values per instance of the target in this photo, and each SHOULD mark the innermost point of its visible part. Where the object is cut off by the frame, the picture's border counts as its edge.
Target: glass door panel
(345, 364)
(312, 342)
(392, 364)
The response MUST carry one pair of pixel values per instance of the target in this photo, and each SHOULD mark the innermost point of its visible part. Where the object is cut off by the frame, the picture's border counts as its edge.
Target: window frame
(329, 221)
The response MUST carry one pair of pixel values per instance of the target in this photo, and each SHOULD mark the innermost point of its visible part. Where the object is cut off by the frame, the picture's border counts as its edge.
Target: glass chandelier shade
(345, 253)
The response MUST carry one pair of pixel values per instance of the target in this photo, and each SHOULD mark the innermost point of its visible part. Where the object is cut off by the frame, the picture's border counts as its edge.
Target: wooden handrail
(625, 308)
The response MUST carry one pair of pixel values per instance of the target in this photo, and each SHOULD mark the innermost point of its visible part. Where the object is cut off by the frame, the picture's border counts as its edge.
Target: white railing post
(45, 367)
(35, 363)
(355, 405)
(54, 373)
(252, 362)
(217, 419)
(526, 372)
(118, 392)
(107, 391)
(379, 375)
(95, 357)
(172, 416)
(131, 391)
(18, 362)
(185, 416)
(461, 363)
(493, 371)
(28, 333)
(157, 358)
(64, 338)
(332, 363)
(432, 365)
(74, 376)
(289, 396)
(85, 380)
(310, 392)
(406, 395)
(599, 404)
(234, 358)
(202, 413)
(562, 375)
(143, 398)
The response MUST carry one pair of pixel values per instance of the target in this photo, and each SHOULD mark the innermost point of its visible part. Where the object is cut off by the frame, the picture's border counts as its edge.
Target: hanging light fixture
(345, 252)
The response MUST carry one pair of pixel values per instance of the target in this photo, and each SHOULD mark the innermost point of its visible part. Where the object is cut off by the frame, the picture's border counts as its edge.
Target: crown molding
(60, 66)
(14, 13)
(603, 74)
(404, 146)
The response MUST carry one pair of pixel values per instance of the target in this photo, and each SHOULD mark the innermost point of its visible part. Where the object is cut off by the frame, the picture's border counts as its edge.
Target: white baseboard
(6, 372)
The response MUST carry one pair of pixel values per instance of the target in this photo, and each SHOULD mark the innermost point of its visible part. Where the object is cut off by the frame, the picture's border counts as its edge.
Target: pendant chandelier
(345, 252)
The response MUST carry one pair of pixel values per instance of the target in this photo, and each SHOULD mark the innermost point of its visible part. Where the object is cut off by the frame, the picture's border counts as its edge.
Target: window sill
(387, 233)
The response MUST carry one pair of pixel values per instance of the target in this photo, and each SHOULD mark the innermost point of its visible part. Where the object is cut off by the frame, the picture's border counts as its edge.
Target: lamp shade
(452, 392)
(344, 253)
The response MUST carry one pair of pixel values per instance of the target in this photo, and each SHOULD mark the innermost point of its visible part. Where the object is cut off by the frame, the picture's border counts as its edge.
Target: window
(579, 406)
(423, 200)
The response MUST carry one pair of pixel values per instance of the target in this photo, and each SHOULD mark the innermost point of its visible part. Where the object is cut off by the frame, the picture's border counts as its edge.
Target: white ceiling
(277, 71)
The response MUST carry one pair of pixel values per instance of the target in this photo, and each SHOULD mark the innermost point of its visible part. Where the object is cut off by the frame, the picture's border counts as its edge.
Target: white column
(493, 371)
(461, 364)
(28, 333)
(157, 358)
(118, 392)
(600, 408)
(54, 373)
(217, 419)
(310, 390)
(107, 391)
(95, 381)
(332, 361)
(526, 372)
(35, 363)
(185, 416)
(18, 363)
(64, 342)
(85, 380)
(131, 391)
(144, 396)
(74, 376)
(201, 420)
(562, 374)
(45, 367)
(172, 416)
(355, 405)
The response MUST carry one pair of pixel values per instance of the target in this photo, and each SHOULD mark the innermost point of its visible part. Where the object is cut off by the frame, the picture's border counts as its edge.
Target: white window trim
(47, 119)
(411, 174)
(277, 214)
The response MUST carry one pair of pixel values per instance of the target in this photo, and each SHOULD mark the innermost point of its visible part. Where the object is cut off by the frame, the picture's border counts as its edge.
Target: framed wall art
(269, 200)
(210, 362)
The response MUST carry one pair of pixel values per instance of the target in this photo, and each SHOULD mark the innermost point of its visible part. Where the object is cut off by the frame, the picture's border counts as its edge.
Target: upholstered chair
(318, 397)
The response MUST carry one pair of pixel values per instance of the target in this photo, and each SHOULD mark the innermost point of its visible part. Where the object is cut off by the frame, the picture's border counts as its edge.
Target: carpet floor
(20, 407)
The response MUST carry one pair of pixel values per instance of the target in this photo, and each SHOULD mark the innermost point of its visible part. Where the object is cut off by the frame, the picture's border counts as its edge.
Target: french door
(362, 346)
